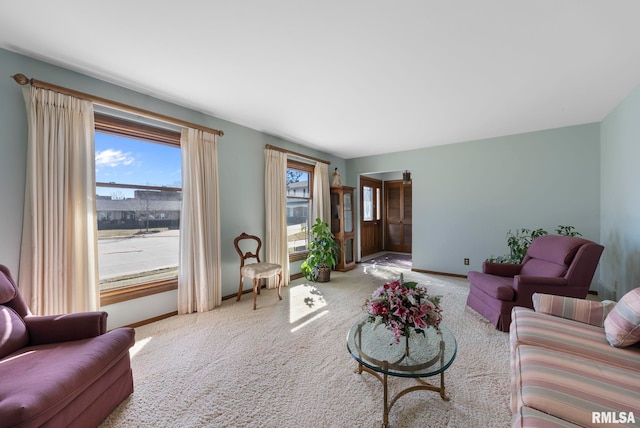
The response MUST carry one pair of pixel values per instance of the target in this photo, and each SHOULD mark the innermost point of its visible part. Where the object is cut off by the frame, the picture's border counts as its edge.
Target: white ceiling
(351, 77)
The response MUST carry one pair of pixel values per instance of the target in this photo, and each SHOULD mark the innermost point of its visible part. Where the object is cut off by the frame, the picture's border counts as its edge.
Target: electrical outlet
(466, 262)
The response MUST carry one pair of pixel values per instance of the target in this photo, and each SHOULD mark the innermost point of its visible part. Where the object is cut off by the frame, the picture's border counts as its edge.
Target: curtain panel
(58, 255)
(275, 190)
(321, 203)
(199, 271)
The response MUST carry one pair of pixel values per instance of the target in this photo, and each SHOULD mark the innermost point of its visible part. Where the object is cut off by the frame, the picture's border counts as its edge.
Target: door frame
(377, 208)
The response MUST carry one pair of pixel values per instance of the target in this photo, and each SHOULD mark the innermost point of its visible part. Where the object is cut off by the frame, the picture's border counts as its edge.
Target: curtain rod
(269, 146)
(21, 79)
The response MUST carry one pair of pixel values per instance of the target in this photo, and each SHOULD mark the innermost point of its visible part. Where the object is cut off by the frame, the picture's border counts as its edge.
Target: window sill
(109, 297)
(294, 257)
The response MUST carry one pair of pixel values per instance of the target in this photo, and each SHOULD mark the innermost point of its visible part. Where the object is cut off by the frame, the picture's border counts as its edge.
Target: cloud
(112, 158)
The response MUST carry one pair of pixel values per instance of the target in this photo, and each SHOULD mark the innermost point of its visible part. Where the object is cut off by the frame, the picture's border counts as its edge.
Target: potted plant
(520, 240)
(323, 251)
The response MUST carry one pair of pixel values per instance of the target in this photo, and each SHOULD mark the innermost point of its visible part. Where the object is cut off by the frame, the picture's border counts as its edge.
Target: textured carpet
(286, 364)
(402, 261)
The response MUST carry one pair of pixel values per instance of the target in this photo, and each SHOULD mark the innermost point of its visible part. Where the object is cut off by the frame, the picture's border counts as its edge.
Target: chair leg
(279, 285)
(256, 282)
(239, 290)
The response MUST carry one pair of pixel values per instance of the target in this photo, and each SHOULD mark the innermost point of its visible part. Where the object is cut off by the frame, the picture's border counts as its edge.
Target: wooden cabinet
(342, 226)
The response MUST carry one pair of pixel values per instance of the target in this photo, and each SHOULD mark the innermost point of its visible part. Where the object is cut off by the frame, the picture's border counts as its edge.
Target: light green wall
(240, 160)
(620, 201)
(13, 153)
(467, 196)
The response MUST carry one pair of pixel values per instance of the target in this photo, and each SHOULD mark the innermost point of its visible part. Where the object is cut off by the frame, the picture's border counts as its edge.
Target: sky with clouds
(130, 161)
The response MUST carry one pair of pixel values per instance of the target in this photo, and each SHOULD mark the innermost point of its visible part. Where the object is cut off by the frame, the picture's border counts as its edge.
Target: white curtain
(58, 256)
(321, 203)
(275, 192)
(199, 272)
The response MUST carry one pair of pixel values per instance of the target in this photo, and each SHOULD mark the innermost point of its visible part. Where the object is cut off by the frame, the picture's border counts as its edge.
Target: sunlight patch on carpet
(305, 300)
(383, 273)
(137, 347)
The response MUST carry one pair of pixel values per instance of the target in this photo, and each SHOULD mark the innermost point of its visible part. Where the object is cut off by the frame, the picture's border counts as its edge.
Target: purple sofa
(62, 370)
(554, 264)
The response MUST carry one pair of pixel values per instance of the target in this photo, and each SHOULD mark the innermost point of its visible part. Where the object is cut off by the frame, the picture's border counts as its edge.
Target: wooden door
(371, 216)
(398, 211)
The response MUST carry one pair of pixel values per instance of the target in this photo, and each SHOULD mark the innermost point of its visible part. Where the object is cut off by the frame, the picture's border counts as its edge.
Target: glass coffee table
(419, 356)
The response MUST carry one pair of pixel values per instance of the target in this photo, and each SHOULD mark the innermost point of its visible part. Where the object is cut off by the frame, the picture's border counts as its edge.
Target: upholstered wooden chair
(245, 245)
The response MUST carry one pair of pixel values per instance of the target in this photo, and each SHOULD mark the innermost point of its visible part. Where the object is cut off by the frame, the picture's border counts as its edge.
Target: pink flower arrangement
(402, 307)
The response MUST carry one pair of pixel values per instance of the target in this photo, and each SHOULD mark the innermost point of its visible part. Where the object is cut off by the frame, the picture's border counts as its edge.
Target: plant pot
(324, 274)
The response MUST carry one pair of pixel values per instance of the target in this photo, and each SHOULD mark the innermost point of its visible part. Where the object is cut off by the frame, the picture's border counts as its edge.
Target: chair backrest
(13, 330)
(246, 245)
(571, 257)
(10, 295)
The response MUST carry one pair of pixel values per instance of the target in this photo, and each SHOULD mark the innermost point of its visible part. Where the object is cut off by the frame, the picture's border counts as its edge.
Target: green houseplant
(323, 251)
(520, 240)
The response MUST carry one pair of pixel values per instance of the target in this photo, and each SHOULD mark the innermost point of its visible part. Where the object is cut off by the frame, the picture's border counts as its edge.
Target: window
(367, 197)
(371, 203)
(299, 200)
(138, 202)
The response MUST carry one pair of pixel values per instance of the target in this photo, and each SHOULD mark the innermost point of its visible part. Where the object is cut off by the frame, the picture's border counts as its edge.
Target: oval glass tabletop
(416, 356)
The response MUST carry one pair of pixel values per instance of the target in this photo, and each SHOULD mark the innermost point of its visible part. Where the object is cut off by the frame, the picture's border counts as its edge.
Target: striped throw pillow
(622, 325)
(581, 310)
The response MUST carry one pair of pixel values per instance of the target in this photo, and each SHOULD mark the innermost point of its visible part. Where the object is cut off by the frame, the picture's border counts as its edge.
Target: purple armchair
(554, 264)
(62, 370)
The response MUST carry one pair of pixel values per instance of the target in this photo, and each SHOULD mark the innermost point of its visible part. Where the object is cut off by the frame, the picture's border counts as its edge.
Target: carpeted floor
(399, 260)
(286, 364)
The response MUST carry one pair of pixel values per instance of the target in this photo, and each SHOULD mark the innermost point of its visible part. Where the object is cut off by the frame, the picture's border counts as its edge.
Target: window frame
(107, 124)
(310, 169)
